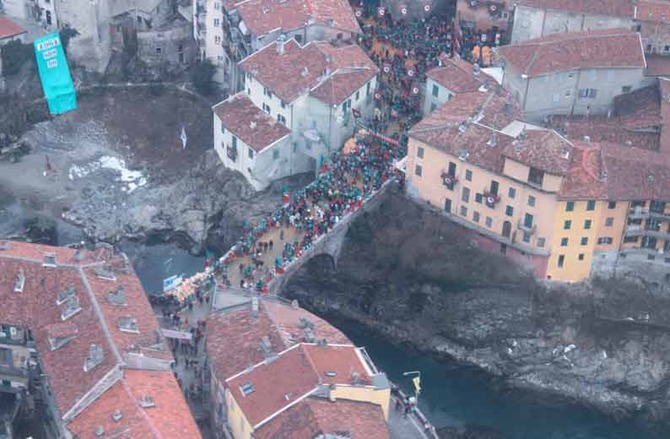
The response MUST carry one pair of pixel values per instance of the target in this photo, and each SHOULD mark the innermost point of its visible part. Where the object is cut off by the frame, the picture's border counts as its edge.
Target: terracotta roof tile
(450, 127)
(617, 8)
(275, 383)
(265, 16)
(249, 123)
(664, 145)
(658, 65)
(635, 174)
(331, 73)
(9, 29)
(606, 48)
(336, 364)
(456, 75)
(288, 320)
(36, 308)
(544, 150)
(585, 179)
(635, 121)
(315, 416)
(168, 418)
(657, 11)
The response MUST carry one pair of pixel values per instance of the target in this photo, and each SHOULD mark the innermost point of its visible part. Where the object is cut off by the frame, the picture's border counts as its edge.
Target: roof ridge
(143, 413)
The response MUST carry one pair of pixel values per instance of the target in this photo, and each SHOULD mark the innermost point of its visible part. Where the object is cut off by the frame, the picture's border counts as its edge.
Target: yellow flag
(417, 384)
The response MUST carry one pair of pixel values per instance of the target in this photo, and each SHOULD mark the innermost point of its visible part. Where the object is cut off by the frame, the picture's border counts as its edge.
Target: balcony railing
(526, 228)
(638, 213)
(637, 230)
(660, 216)
(11, 371)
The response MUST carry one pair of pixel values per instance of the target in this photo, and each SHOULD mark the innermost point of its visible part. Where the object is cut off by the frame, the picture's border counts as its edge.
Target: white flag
(183, 136)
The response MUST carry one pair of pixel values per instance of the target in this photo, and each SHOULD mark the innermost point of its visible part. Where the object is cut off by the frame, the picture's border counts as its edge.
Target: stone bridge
(331, 243)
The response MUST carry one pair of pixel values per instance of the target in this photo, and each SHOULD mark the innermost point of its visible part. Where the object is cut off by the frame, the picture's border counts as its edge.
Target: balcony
(12, 341)
(658, 234)
(526, 228)
(659, 215)
(11, 373)
(638, 213)
(634, 230)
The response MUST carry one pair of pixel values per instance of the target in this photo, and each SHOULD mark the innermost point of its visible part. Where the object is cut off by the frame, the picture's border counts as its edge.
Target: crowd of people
(341, 187)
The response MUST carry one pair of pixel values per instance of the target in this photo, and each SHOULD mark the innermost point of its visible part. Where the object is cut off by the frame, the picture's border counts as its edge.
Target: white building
(538, 18)
(314, 91)
(452, 77)
(230, 30)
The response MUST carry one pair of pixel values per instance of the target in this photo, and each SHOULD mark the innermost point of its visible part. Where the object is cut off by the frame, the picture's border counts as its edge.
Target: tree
(66, 34)
(14, 54)
(202, 75)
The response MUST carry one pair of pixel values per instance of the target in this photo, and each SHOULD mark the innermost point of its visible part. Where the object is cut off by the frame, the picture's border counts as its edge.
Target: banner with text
(55, 74)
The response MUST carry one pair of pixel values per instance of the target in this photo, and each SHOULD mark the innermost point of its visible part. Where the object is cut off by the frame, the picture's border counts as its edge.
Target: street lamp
(416, 381)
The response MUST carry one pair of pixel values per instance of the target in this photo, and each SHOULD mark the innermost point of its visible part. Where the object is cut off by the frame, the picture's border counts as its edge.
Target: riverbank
(410, 275)
(117, 169)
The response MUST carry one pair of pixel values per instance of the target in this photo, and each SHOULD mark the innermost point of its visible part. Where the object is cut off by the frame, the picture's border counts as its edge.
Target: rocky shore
(116, 168)
(407, 273)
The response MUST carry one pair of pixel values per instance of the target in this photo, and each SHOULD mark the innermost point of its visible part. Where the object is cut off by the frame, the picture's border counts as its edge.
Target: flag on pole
(183, 136)
(417, 384)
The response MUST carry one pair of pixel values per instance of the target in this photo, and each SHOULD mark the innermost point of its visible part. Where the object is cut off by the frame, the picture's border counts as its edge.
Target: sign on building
(55, 74)
(171, 283)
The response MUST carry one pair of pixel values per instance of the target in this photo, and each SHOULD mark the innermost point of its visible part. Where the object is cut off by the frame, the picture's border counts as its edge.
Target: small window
(436, 90)
(630, 239)
(452, 168)
(358, 94)
(489, 221)
(570, 206)
(540, 242)
(509, 211)
(584, 241)
(526, 237)
(587, 224)
(468, 175)
(581, 256)
(223, 129)
(567, 224)
(281, 119)
(590, 205)
(275, 154)
(216, 22)
(609, 221)
(531, 200)
(464, 211)
(561, 261)
(433, 106)
(511, 192)
(535, 176)
(158, 50)
(250, 153)
(479, 198)
(604, 240)
(283, 104)
(564, 242)
(418, 170)
(475, 216)
(266, 108)
(556, 98)
(419, 152)
(626, 89)
(494, 187)
(465, 197)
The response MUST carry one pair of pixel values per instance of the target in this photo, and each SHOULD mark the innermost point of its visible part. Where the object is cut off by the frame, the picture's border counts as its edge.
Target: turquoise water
(452, 395)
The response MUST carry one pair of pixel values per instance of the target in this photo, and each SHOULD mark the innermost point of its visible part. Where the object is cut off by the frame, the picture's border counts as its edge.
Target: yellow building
(271, 378)
(547, 202)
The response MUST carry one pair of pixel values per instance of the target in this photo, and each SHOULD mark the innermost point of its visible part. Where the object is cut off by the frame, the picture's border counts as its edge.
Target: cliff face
(410, 274)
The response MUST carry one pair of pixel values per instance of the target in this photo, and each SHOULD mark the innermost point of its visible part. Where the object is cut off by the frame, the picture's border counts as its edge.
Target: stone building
(573, 73)
(170, 45)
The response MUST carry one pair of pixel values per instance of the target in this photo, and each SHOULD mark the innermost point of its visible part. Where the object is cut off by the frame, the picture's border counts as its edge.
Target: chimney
(281, 41)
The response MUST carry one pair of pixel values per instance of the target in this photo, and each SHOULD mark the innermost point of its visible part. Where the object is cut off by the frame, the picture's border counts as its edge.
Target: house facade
(229, 31)
(538, 18)
(551, 75)
(484, 16)
(306, 99)
(652, 19)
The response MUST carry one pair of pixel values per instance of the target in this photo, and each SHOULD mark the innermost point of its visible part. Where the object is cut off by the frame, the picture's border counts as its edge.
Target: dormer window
(94, 359)
(128, 324)
(117, 297)
(65, 295)
(20, 281)
(72, 307)
(49, 260)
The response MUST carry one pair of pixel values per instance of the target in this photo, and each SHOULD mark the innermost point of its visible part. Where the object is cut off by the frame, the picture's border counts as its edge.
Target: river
(452, 395)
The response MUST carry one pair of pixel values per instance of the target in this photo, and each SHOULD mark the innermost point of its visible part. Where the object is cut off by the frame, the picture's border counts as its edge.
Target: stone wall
(647, 265)
(169, 45)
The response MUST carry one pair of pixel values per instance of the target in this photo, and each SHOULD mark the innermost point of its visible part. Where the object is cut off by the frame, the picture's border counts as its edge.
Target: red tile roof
(617, 8)
(315, 416)
(586, 179)
(9, 29)
(607, 48)
(635, 121)
(240, 332)
(657, 11)
(664, 143)
(276, 384)
(36, 308)
(635, 174)
(249, 123)
(456, 75)
(336, 364)
(544, 150)
(658, 65)
(330, 73)
(168, 418)
(466, 122)
(266, 16)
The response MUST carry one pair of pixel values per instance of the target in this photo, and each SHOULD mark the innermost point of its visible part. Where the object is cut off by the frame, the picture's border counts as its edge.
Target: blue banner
(55, 74)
